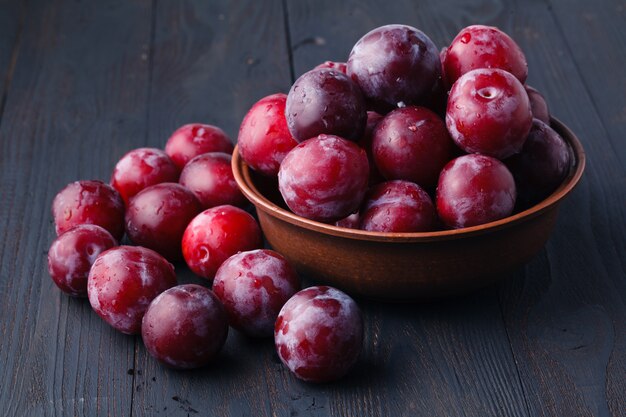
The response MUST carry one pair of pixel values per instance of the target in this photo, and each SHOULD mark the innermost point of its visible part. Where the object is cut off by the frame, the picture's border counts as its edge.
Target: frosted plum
(264, 138)
(71, 255)
(398, 206)
(185, 327)
(324, 178)
(325, 101)
(194, 139)
(412, 144)
(89, 202)
(122, 283)
(254, 286)
(210, 178)
(156, 218)
(479, 46)
(474, 189)
(141, 168)
(319, 334)
(395, 64)
(489, 112)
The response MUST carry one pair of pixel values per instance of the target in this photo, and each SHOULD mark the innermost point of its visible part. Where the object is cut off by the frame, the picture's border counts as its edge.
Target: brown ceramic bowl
(406, 266)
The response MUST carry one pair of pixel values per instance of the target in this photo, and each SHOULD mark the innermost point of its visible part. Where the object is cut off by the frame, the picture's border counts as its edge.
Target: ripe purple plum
(71, 255)
(141, 168)
(319, 334)
(480, 46)
(215, 235)
(254, 286)
(398, 206)
(89, 202)
(264, 137)
(412, 144)
(194, 139)
(489, 113)
(395, 64)
(210, 178)
(185, 327)
(156, 218)
(325, 101)
(475, 189)
(324, 178)
(541, 166)
(122, 283)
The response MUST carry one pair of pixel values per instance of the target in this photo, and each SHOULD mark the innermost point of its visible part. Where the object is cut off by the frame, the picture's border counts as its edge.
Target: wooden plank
(77, 98)
(211, 62)
(566, 314)
(450, 358)
(584, 28)
(594, 35)
(11, 21)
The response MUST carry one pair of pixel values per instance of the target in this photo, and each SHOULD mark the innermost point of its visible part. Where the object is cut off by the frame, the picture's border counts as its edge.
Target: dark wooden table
(82, 82)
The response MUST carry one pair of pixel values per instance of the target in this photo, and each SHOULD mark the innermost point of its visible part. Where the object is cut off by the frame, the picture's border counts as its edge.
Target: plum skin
(141, 168)
(123, 281)
(474, 189)
(398, 206)
(216, 234)
(89, 202)
(325, 101)
(373, 119)
(353, 221)
(210, 178)
(157, 216)
(71, 255)
(194, 139)
(395, 64)
(541, 166)
(185, 327)
(264, 137)
(319, 334)
(253, 286)
(339, 66)
(480, 46)
(324, 178)
(489, 113)
(413, 144)
(538, 105)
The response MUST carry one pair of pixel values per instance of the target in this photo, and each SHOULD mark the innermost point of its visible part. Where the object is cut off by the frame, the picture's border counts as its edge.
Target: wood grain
(77, 93)
(585, 27)
(212, 61)
(566, 314)
(588, 29)
(11, 21)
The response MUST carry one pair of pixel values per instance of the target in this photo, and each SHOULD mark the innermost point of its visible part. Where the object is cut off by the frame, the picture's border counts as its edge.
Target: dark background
(83, 82)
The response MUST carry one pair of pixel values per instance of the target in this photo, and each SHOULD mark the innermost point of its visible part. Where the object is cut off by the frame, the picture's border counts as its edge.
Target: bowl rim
(242, 174)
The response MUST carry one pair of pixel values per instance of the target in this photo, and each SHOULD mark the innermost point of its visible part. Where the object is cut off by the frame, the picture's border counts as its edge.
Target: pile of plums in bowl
(408, 173)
